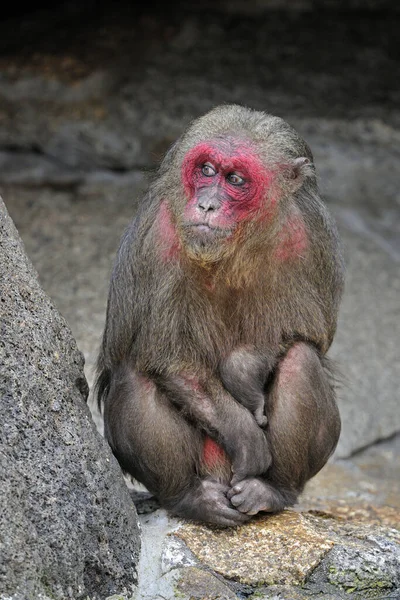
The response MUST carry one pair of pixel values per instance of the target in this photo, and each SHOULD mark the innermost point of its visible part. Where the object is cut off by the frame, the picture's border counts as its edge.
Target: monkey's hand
(249, 451)
(226, 421)
(253, 495)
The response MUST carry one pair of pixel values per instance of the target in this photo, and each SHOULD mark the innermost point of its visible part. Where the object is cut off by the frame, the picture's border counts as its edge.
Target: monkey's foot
(208, 502)
(253, 495)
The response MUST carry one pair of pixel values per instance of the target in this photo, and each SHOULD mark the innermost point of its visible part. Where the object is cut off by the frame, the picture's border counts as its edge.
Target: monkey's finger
(237, 478)
(226, 514)
(246, 504)
(254, 495)
(230, 518)
(249, 498)
(236, 489)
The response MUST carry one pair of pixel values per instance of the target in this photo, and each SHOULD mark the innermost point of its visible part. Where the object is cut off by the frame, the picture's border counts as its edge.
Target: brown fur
(189, 315)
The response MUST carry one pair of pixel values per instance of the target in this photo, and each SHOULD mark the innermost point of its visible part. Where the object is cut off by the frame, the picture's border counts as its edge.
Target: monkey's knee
(304, 422)
(327, 435)
(148, 436)
(303, 380)
(301, 362)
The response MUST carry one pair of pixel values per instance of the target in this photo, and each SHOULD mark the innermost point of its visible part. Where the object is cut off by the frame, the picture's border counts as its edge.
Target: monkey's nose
(207, 204)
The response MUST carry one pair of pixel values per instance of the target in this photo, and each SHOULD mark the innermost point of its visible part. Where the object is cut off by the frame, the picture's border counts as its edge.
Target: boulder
(68, 528)
(114, 89)
(324, 555)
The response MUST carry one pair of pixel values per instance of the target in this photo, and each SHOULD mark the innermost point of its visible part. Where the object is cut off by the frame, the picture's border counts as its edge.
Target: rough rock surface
(112, 89)
(262, 552)
(341, 552)
(344, 508)
(68, 528)
(294, 555)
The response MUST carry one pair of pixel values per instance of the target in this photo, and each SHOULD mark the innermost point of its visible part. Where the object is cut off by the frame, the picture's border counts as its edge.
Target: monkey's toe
(209, 503)
(251, 496)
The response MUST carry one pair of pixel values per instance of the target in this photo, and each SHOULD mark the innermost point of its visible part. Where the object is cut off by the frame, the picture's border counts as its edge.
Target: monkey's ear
(297, 171)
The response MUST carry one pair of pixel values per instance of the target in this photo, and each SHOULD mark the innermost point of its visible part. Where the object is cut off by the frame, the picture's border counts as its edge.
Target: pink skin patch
(292, 365)
(146, 385)
(170, 244)
(213, 454)
(194, 389)
(292, 240)
(190, 381)
(238, 202)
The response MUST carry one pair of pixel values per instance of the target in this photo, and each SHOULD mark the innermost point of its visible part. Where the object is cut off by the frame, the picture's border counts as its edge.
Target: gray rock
(198, 584)
(68, 528)
(292, 556)
(366, 344)
(34, 170)
(372, 571)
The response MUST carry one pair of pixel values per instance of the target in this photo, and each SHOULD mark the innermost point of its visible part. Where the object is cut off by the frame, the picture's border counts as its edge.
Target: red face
(225, 184)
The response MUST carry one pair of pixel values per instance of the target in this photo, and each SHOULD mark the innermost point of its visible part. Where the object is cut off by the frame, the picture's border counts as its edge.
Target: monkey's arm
(244, 373)
(122, 320)
(226, 421)
(121, 324)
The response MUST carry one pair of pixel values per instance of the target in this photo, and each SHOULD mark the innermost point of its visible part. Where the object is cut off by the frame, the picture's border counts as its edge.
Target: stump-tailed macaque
(223, 302)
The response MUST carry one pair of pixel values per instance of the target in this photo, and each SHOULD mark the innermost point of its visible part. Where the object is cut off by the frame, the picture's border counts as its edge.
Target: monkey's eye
(235, 179)
(208, 170)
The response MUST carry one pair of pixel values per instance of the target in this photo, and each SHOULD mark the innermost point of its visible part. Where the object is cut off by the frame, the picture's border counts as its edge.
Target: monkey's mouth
(206, 231)
(202, 237)
(203, 227)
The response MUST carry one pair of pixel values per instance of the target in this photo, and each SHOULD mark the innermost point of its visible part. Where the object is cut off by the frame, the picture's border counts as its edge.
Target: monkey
(224, 296)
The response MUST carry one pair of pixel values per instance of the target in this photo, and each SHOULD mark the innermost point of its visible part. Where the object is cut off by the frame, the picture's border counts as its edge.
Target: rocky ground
(88, 102)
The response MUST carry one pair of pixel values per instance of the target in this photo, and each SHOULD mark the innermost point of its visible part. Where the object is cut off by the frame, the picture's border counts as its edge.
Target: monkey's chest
(198, 329)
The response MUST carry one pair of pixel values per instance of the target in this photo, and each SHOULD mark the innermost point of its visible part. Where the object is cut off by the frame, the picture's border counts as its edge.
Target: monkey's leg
(158, 446)
(303, 430)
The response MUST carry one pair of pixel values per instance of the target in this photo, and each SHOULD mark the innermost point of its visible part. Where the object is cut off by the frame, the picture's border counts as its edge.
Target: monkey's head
(237, 168)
